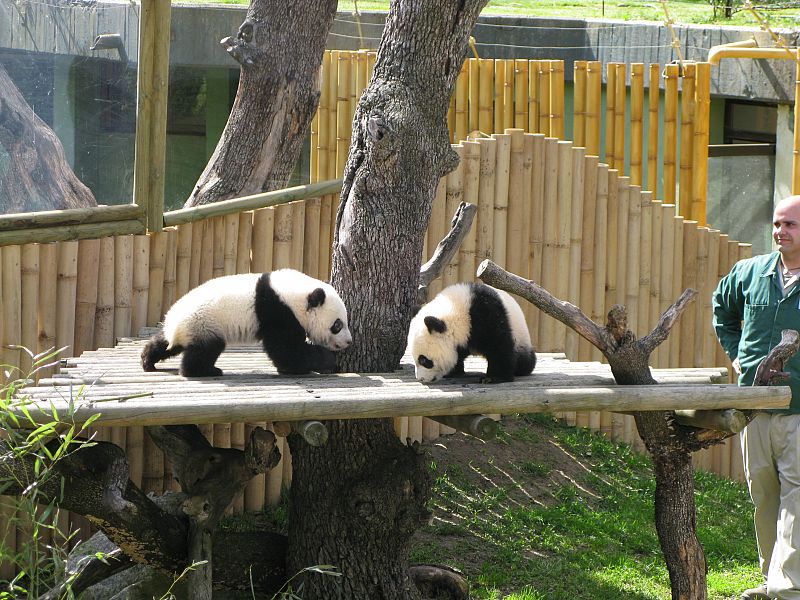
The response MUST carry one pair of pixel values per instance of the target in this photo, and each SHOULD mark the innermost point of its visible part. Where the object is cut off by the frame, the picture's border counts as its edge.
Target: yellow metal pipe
(717, 53)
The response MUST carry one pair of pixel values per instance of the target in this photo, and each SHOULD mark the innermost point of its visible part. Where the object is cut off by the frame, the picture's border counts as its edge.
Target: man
(752, 304)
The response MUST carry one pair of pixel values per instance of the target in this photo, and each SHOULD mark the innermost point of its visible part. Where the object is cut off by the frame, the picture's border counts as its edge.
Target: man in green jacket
(752, 305)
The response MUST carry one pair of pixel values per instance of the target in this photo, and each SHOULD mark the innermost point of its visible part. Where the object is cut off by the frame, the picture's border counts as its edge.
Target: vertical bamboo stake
(183, 259)
(687, 141)
(141, 282)
(578, 156)
(657, 248)
(462, 104)
(619, 118)
(667, 277)
(485, 100)
(218, 228)
(612, 238)
(310, 250)
(500, 85)
(545, 109)
(689, 318)
(282, 237)
(500, 196)
(455, 194)
(563, 233)
(196, 252)
(557, 99)
(594, 94)
(579, 103)
(520, 93)
(471, 179)
(155, 282)
(549, 253)
(706, 290)
(438, 226)
(29, 275)
(244, 242)
(326, 167)
(508, 95)
(48, 300)
(700, 142)
(12, 308)
(645, 262)
(170, 269)
(123, 285)
(104, 310)
(67, 284)
(207, 251)
(623, 198)
(670, 133)
(86, 294)
(533, 96)
(511, 224)
(298, 234)
(676, 288)
(528, 144)
(536, 226)
(633, 235)
(611, 100)
(263, 232)
(599, 250)
(701, 309)
(589, 250)
(637, 123)
(653, 98)
(474, 95)
(230, 243)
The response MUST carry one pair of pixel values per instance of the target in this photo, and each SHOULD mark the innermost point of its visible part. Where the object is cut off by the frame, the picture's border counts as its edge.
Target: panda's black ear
(316, 298)
(434, 324)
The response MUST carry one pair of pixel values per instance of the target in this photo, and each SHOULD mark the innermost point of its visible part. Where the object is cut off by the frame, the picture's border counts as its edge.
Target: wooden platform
(111, 381)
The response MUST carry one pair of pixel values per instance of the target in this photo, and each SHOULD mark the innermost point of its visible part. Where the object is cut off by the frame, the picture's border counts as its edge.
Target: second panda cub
(471, 318)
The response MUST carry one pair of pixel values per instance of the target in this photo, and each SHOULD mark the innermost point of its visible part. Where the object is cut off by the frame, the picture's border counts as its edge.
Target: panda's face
(433, 347)
(326, 322)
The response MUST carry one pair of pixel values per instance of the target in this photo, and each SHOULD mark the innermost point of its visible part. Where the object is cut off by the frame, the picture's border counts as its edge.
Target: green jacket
(749, 314)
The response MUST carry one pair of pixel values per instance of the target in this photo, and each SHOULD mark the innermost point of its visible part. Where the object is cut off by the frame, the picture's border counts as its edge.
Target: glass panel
(73, 84)
(740, 198)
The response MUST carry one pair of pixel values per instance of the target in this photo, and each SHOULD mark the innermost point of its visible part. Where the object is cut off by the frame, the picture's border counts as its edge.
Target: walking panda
(281, 309)
(471, 318)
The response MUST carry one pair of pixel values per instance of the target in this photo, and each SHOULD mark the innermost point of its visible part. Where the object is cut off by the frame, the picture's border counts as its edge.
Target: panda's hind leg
(199, 358)
(526, 361)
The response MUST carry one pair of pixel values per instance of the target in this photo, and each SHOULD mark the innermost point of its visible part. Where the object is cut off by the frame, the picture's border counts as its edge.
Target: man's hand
(736, 366)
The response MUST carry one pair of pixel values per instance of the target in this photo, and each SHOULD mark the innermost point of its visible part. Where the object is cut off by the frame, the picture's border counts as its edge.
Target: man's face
(786, 227)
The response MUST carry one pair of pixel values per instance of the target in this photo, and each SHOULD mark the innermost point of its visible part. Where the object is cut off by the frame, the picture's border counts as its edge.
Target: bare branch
(667, 321)
(770, 370)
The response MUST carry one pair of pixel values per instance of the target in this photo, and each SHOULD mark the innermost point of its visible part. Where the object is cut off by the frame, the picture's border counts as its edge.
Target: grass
(577, 528)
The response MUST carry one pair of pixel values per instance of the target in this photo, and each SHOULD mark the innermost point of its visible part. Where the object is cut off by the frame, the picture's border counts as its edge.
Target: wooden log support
(313, 432)
(730, 420)
(481, 426)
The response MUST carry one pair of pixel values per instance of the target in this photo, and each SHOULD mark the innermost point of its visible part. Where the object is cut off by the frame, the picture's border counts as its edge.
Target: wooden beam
(71, 232)
(69, 216)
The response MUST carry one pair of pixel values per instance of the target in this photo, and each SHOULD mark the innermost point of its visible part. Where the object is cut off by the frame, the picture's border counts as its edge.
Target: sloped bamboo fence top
(110, 381)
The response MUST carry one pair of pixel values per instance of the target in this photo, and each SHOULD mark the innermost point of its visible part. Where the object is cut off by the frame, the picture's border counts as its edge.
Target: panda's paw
(495, 379)
(211, 372)
(326, 362)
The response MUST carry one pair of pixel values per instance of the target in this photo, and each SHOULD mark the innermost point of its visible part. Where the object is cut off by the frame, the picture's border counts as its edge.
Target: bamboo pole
(455, 194)
(706, 291)
(230, 243)
(576, 222)
(474, 95)
(500, 86)
(499, 206)
(599, 250)
(564, 228)
(536, 227)
(550, 272)
(670, 133)
(534, 96)
(702, 309)
(155, 281)
(471, 179)
(528, 143)
(579, 95)
(700, 142)
(123, 285)
(438, 226)
(557, 99)
(104, 310)
(29, 282)
(637, 123)
(327, 168)
(633, 237)
(461, 128)
(298, 235)
(545, 97)
(594, 91)
(653, 100)
(282, 238)
(244, 242)
(619, 118)
(86, 294)
(611, 100)
(520, 94)
(218, 245)
(141, 282)
(170, 269)
(207, 251)
(263, 230)
(12, 309)
(183, 259)
(676, 288)
(196, 252)
(48, 300)
(688, 325)
(687, 141)
(65, 294)
(655, 250)
(623, 215)
(511, 224)
(485, 100)
(613, 240)
(645, 262)
(508, 98)
(310, 250)
(667, 277)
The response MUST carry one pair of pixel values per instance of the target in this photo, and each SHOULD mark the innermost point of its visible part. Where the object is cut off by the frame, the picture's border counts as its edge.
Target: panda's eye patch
(337, 326)
(425, 361)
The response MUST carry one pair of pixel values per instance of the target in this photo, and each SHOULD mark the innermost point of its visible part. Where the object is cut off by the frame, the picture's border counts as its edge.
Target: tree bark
(279, 46)
(34, 172)
(357, 501)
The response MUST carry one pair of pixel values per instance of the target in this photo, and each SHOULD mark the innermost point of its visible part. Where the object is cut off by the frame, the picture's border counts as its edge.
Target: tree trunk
(357, 501)
(34, 172)
(279, 46)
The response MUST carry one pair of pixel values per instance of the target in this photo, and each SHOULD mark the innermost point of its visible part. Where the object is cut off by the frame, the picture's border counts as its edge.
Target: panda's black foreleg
(199, 358)
(500, 367)
(300, 358)
(157, 350)
(526, 362)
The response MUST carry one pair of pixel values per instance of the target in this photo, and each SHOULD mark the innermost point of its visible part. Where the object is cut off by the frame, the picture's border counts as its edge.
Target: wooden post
(454, 196)
(534, 105)
(520, 94)
(48, 259)
(29, 275)
(688, 325)
(633, 234)
(512, 220)
(500, 197)
(484, 225)
(557, 99)
(645, 262)
(244, 241)
(579, 103)
(619, 118)
(86, 294)
(12, 309)
(438, 226)
(611, 101)
(599, 258)
(623, 215)
(545, 97)
(670, 133)
(230, 243)
(263, 230)
(667, 277)
(485, 93)
(155, 282)
(637, 123)
(66, 299)
(655, 250)
(594, 90)
(550, 273)
(687, 141)
(653, 100)
(676, 286)
(576, 223)
(141, 282)
(471, 179)
(563, 230)
(700, 143)
(500, 85)
(536, 225)
(613, 240)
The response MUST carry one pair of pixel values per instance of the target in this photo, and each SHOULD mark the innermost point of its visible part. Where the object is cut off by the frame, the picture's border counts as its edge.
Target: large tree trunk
(34, 172)
(357, 500)
(279, 46)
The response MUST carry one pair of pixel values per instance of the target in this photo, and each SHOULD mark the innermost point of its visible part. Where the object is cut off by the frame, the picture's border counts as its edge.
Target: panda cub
(471, 318)
(281, 309)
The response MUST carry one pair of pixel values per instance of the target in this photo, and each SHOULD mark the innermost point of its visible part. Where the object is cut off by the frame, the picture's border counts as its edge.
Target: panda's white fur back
(222, 307)
(516, 320)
